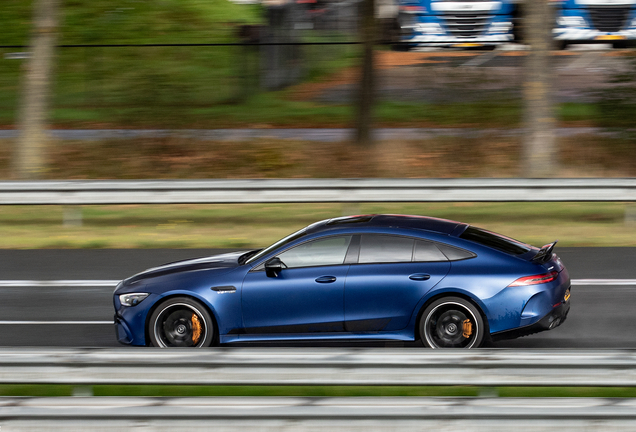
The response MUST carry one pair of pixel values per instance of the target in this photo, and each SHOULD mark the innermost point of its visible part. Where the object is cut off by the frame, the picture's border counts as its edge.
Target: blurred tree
(539, 144)
(367, 83)
(616, 104)
(29, 154)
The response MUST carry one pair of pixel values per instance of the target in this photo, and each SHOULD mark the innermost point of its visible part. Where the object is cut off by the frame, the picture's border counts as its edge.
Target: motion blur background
(173, 89)
(219, 89)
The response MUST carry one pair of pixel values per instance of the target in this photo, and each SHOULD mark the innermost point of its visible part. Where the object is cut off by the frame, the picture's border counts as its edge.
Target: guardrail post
(72, 216)
(82, 391)
(630, 214)
(349, 209)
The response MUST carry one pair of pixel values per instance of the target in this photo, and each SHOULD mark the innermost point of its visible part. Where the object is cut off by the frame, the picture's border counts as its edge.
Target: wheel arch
(210, 310)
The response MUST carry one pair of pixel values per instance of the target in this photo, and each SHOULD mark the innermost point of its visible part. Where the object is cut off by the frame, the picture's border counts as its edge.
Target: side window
(427, 252)
(322, 252)
(454, 253)
(377, 248)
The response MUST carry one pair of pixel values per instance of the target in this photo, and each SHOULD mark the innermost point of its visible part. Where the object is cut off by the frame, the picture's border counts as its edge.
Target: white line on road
(56, 322)
(113, 283)
(609, 282)
(57, 283)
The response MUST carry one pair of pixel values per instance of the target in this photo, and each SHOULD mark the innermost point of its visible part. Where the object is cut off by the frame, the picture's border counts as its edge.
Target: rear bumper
(553, 319)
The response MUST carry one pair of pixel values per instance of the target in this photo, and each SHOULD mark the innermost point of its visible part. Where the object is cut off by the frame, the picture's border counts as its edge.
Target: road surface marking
(56, 322)
(57, 283)
(113, 283)
(609, 282)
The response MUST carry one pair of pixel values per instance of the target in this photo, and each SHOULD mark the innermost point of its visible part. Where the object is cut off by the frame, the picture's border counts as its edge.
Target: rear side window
(495, 241)
(385, 249)
(455, 254)
(427, 252)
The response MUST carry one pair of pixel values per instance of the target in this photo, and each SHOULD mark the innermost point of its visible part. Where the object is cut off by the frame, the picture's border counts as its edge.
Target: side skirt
(339, 336)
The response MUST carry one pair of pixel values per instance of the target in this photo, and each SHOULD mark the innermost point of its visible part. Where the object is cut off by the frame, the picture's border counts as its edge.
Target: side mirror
(273, 267)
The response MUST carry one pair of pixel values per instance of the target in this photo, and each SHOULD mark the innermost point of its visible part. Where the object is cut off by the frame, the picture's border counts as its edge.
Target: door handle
(326, 279)
(419, 277)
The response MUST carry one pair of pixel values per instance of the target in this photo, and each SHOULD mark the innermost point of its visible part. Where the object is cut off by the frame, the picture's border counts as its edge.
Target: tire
(181, 322)
(452, 322)
(560, 45)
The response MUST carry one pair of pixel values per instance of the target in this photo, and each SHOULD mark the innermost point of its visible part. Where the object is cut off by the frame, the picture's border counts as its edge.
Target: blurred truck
(461, 24)
(595, 21)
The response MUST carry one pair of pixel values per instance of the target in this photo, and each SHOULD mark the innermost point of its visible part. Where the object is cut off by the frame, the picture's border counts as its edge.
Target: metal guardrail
(319, 367)
(314, 190)
(273, 414)
(249, 366)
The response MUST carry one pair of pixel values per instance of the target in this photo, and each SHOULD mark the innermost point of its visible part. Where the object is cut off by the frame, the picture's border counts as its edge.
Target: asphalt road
(601, 316)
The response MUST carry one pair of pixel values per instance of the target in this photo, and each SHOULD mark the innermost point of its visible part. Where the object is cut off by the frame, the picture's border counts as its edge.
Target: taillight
(535, 280)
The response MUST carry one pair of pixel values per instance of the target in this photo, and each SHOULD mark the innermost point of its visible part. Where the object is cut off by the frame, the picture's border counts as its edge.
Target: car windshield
(280, 243)
(495, 241)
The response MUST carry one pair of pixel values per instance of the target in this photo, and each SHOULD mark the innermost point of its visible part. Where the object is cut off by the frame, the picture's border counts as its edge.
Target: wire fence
(301, 69)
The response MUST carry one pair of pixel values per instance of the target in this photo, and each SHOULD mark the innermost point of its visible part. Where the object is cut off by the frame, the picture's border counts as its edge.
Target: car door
(393, 273)
(305, 297)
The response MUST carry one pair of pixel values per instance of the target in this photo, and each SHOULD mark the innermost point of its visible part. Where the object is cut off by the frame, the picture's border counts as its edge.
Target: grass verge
(255, 225)
(313, 391)
(187, 156)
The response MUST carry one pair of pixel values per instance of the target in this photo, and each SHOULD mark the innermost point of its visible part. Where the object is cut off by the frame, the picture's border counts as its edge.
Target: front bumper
(451, 41)
(130, 321)
(573, 35)
(122, 332)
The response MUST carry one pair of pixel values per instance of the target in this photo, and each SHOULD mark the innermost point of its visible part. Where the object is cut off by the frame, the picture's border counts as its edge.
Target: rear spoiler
(545, 253)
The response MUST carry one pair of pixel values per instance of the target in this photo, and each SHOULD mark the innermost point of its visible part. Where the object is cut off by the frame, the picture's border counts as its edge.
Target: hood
(223, 261)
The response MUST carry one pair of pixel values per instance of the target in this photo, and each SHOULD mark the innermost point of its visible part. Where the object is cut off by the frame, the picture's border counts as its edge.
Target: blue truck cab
(595, 21)
(460, 24)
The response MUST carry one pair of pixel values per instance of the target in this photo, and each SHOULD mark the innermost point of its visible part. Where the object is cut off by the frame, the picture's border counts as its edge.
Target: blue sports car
(374, 277)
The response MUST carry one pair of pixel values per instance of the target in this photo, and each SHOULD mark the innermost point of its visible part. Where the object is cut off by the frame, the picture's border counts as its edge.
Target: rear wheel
(181, 322)
(452, 322)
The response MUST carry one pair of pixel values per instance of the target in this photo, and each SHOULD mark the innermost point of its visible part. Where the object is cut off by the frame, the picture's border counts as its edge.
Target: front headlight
(572, 21)
(132, 299)
(501, 27)
(429, 28)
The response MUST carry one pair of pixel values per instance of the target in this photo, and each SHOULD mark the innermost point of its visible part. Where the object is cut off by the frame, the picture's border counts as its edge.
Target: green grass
(578, 111)
(247, 226)
(201, 87)
(111, 84)
(313, 391)
(488, 113)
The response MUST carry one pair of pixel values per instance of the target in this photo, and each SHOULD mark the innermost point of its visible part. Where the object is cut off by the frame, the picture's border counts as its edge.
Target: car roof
(442, 226)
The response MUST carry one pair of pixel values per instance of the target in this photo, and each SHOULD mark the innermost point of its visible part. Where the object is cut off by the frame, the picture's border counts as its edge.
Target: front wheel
(452, 322)
(180, 322)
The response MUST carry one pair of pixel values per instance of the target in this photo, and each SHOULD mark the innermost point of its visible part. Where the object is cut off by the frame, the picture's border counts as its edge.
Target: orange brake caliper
(196, 329)
(467, 328)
